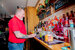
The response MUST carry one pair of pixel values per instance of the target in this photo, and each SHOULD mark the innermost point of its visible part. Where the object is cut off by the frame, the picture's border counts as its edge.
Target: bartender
(17, 31)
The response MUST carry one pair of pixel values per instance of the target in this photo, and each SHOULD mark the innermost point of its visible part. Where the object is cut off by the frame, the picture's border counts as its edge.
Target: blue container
(64, 48)
(71, 25)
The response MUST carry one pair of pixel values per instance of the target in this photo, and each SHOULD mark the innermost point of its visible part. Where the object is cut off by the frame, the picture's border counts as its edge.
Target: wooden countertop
(52, 47)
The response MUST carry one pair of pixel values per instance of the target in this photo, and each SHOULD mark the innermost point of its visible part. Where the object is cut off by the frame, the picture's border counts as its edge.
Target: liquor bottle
(65, 28)
(71, 23)
(64, 19)
(68, 16)
(46, 37)
(62, 28)
(72, 15)
(66, 22)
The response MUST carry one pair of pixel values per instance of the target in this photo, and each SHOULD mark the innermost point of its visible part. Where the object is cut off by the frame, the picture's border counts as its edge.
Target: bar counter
(53, 47)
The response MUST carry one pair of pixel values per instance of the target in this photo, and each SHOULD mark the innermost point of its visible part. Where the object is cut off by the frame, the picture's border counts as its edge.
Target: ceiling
(9, 6)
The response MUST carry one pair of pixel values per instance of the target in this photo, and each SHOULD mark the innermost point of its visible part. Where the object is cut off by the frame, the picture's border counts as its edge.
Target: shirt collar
(17, 18)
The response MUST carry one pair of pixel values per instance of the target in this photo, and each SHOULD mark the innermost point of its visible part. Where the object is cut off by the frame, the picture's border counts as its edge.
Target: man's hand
(32, 35)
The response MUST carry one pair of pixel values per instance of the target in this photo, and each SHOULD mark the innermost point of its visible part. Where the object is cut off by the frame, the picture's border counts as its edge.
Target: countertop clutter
(53, 47)
(51, 43)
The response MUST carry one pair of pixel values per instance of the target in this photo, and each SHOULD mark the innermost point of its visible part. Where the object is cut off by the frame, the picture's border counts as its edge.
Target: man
(17, 31)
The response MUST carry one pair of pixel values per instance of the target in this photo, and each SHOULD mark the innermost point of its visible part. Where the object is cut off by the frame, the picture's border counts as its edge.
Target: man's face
(22, 14)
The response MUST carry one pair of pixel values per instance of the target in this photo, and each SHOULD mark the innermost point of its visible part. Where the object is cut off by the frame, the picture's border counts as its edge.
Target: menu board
(42, 15)
(60, 3)
(48, 12)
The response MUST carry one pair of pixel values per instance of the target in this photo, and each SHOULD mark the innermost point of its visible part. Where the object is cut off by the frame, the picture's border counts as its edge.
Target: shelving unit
(56, 4)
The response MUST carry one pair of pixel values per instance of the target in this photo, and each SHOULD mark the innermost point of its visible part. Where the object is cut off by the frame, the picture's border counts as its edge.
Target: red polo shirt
(16, 24)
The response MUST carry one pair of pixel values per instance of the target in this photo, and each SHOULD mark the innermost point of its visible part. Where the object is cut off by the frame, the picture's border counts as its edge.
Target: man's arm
(18, 34)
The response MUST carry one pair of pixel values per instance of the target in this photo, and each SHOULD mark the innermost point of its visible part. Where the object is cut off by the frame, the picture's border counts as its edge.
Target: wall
(60, 12)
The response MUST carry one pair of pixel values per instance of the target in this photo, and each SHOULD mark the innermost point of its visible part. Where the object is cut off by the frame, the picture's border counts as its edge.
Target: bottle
(35, 29)
(43, 35)
(62, 22)
(67, 15)
(71, 23)
(46, 37)
(37, 35)
(64, 19)
(49, 37)
(52, 36)
(40, 35)
(61, 28)
(65, 34)
(43, 27)
(72, 17)
(66, 22)
(72, 14)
